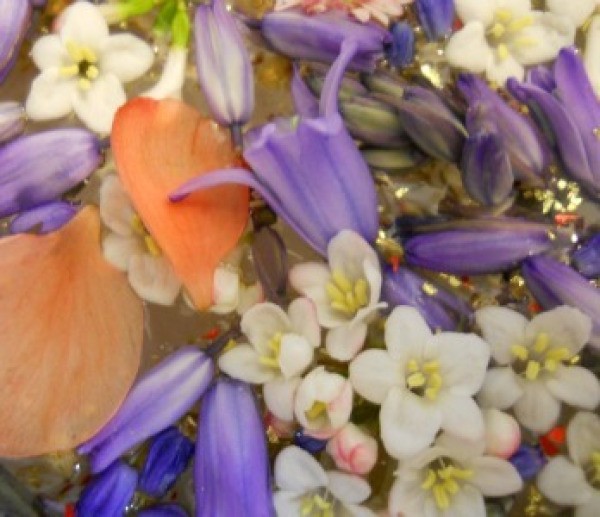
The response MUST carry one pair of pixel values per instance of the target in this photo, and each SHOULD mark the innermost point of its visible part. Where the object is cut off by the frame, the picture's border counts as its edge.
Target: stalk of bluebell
(586, 259)
(15, 16)
(231, 472)
(436, 17)
(160, 398)
(38, 168)
(401, 51)
(108, 493)
(12, 120)
(223, 64)
(44, 218)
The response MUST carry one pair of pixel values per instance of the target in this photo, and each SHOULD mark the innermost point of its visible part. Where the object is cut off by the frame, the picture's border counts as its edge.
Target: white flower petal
(537, 409)
(153, 279)
(590, 507)
(563, 482)
(500, 388)
(50, 96)
(502, 433)
(82, 23)
(297, 471)
(576, 386)
(303, 319)
(373, 373)
(500, 69)
(249, 297)
(577, 10)
(354, 510)
(592, 51)
(347, 252)
(501, 328)
(475, 10)
(125, 56)
(226, 290)
(406, 333)
(344, 342)
(516, 7)
(279, 397)
(406, 496)
(262, 322)
(97, 107)
(172, 78)
(495, 477)
(372, 273)
(116, 210)
(49, 52)
(118, 250)
(287, 503)
(241, 362)
(347, 488)
(471, 37)
(467, 501)
(408, 423)
(583, 436)
(565, 326)
(461, 416)
(459, 449)
(295, 355)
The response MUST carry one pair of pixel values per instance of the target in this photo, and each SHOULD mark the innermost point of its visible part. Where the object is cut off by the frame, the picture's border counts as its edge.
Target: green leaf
(181, 27)
(165, 17)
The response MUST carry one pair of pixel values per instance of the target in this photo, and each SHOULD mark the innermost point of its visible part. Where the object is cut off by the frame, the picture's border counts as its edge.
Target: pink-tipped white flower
(502, 433)
(353, 450)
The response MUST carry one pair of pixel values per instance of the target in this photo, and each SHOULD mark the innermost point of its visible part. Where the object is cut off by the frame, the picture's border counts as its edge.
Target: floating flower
(345, 292)
(534, 373)
(424, 383)
(82, 68)
(15, 16)
(353, 450)
(451, 478)
(132, 249)
(575, 481)
(231, 294)
(305, 488)
(12, 120)
(281, 348)
(501, 37)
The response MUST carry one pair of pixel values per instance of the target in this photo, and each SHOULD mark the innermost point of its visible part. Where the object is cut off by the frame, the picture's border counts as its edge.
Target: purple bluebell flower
(320, 37)
(554, 283)
(570, 115)
(12, 120)
(308, 170)
(44, 218)
(528, 460)
(436, 17)
(162, 396)
(168, 456)
(401, 51)
(223, 64)
(586, 259)
(441, 309)
(38, 168)
(15, 16)
(231, 470)
(163, 510)
(309, 443)
(541, 76)
(108, 493)
(478, 247)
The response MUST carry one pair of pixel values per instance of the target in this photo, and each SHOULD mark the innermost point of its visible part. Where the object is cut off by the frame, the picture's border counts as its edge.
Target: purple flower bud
(38, 168)
(108, 493)
(401, 50)
(12, 120)
(232, 464)
(44, 218)
(486, 171)
(586, 259)
(385, 83)
(162, 396)
(528, 461)
(349, 86)
(15, 16)
(309, 443)
(554, 283)
(163, 510)
(319, 37)
(393, 160)
(436, 17)
(478, 247)
(269, 255)
(168, 456)
(223, 64)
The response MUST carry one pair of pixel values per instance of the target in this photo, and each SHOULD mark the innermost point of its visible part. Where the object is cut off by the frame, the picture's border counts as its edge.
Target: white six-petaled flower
(424, 383)
(534, 371)
(83, 67)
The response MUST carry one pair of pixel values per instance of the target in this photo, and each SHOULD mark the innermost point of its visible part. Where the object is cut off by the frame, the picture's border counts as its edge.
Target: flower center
(317, 505)
(151, 246)
(592, 470)
(345, 296)
(531, 362)
(83, 65)
(271, 359)
(424, 378)
(444, 480)
(505, 29)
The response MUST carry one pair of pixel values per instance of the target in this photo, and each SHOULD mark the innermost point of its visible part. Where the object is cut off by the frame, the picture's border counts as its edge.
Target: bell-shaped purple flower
(554, 283)
(38, 168)
(320, 37)
(586, 259)
(570, 115)
(308, 170)
(436, 17)
(108, 493)
(168, 456)
(231, 470)
(401, 51)
(15, 16)
(478, 247)
(541, 76)
(163, 510)
(162, 396)
(12, 120)
(44, 218)
(223, 64)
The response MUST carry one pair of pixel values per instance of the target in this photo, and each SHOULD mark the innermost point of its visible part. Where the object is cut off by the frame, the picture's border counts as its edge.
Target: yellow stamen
(430, 480)
(532, 370)
(451, 486)
(271, 362)
(152, 246)
(431, 366)
(334, 293)
(345, 296)
(317, 409)
(137, 225)
(74, 51)
(341, 280)
(441, 497)
(412, 366)
(541, 342)
(92, 72)
(551, 365)
(69, 71)
(462, 474)
(232, 343)
(361, 288)
(88, 54)
(520, 352)
(321, 503)
(497, 30)
(520, 23)
(502, 51)
(416, 380)
(435, 381)
(503, 15)
(559, 354)
(84, 84)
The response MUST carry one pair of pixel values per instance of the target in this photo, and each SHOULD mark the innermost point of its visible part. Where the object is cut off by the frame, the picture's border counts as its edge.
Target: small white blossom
(535, 372)
(231, 294)
(346, 293)
(424, 383)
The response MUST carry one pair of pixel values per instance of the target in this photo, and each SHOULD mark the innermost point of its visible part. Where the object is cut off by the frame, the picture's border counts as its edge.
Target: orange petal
(158, 145)
(71, 332)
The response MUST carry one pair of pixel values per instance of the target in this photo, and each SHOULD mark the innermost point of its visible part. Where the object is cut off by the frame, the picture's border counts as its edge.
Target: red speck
(565, 219)
(70, 510)
(212, 333)
(552, 441)
(395, 263)
(457, 25)
(466, 281)
(534, 307)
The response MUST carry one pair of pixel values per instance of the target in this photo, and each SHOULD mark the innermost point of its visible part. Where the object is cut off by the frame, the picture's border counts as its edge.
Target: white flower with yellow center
(575, 481)
(501, 37)
(424, 383)
(536, 364)
(129, 247)
(345, 293)
(82, 67)
(451, 479)
(305, 489)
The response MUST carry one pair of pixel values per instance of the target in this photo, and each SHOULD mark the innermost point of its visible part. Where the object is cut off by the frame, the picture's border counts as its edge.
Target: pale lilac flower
(424, 383)
(306, 488)
(345, 292)
(281, 347)
(353, 450)
(83, 67)
(575, 481)
(534, 371)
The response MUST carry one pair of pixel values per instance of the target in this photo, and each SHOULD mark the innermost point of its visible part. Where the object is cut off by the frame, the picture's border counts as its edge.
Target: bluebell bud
(587, 258)
(309, 443)
(401, 51)
(436, 17)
